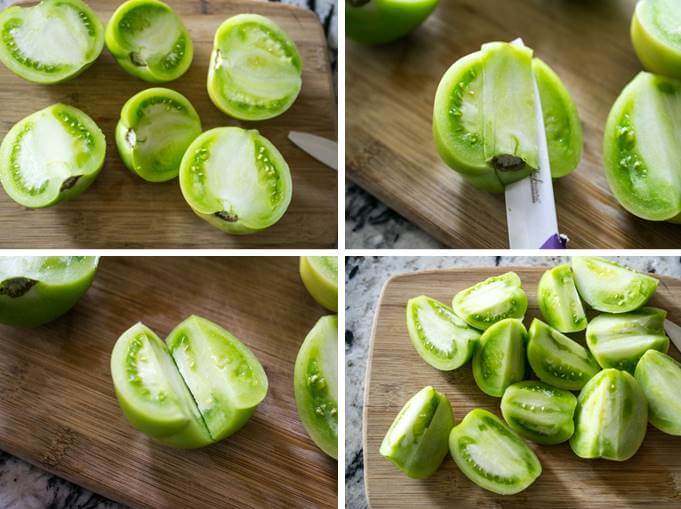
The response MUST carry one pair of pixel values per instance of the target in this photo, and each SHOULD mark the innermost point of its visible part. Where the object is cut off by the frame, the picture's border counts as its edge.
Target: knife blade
(322, 149)
(674, 333)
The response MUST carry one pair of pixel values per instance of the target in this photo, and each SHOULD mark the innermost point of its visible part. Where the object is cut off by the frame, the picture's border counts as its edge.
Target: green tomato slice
(611, 418)
(315, 384)
(320, 277)
(440, 337)
(417, 439)
(491, 455)
(499, 361)
(659, 376)
(255, 70)
(51, 42)
(558, 360)
(38, 289)
(52, 155)
(655, 36)
(236, 180)
(156, 127)
(491, 301)
(559, 301)
(149, 41)
(610, 287)
(539, 412)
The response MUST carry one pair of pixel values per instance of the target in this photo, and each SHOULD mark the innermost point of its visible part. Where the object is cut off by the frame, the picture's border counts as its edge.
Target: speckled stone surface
(364, 278)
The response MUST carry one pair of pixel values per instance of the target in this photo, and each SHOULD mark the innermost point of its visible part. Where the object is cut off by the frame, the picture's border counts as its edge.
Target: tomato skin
(384, 21)
(322, 284)
(657, 51)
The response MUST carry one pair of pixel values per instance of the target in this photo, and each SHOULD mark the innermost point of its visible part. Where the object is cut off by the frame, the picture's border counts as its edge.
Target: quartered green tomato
(539, 412)
(156, 127)
(52, 155)
(558, 360)
(499, 361)
(51, 42)
(619, 341)
(383, 21)
(149, 41)
(236, 180)
(656, 37)
(642, 156)
(660, 379)
(491, 301)
(491, 455)
(441, 338)
(611, 418)
(255, 70)
(320, 277)
(484, 118)
(37, 289)
(610, 287)
(315, 383)
(417, 439)
(559, 301)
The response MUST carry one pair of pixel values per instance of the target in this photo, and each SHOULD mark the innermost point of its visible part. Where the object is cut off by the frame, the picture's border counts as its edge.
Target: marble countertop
(364, 278)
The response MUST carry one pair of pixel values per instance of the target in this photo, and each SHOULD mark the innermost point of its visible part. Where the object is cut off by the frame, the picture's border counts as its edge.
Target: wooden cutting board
(58, 409)
(390, 93)
(396, 372)
(120, 210)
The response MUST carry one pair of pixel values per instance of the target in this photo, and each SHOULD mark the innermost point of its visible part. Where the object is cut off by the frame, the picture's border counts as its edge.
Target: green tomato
(610, 287)
(559, 301)
(417, 439)
(156, 127)
(315, 384)
(38, 289)
(255, 70)
(491, 455)
(383, 21)
(655, 36)
(499, 361)
(320, 277)
(484, 118)
(236, 180)
(51, 42)
(491, 301)
(539, 412)
(440, 337)
(660, 379)
(611, 418)
(558, 360)
(52, 155)
(149, 41)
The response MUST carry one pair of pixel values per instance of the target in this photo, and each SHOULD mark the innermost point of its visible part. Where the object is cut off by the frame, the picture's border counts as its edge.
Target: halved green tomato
(499, 361)
(610, 287)
(611, 418)
(539, 412)
(52, 155)
(38, 289)
(484, 118)
(491, 455)
(156, 127)
(320, 277)
(656, 37)
(51, 42)
(315, 384)
(383, 21)
(440, 337)
(619, 341)
(236, 180)
(255, 71)
(558, 360)
(149, 40)
(417, 439)
(659, 376)
(559, 301)
(491, 301)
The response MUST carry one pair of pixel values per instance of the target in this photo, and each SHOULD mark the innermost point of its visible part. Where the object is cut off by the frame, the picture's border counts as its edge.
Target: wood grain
(396, 372)
(390, 93)
(58, 409)
(120, 210)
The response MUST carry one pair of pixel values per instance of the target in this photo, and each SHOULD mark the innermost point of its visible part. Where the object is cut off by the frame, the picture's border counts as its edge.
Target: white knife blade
(321, 149)
(674, 333)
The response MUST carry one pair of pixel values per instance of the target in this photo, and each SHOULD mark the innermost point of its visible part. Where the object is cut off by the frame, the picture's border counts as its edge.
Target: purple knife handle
(555, 242)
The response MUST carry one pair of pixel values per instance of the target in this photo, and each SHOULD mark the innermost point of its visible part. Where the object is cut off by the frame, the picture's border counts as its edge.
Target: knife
(321, 149)
(674, 333)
